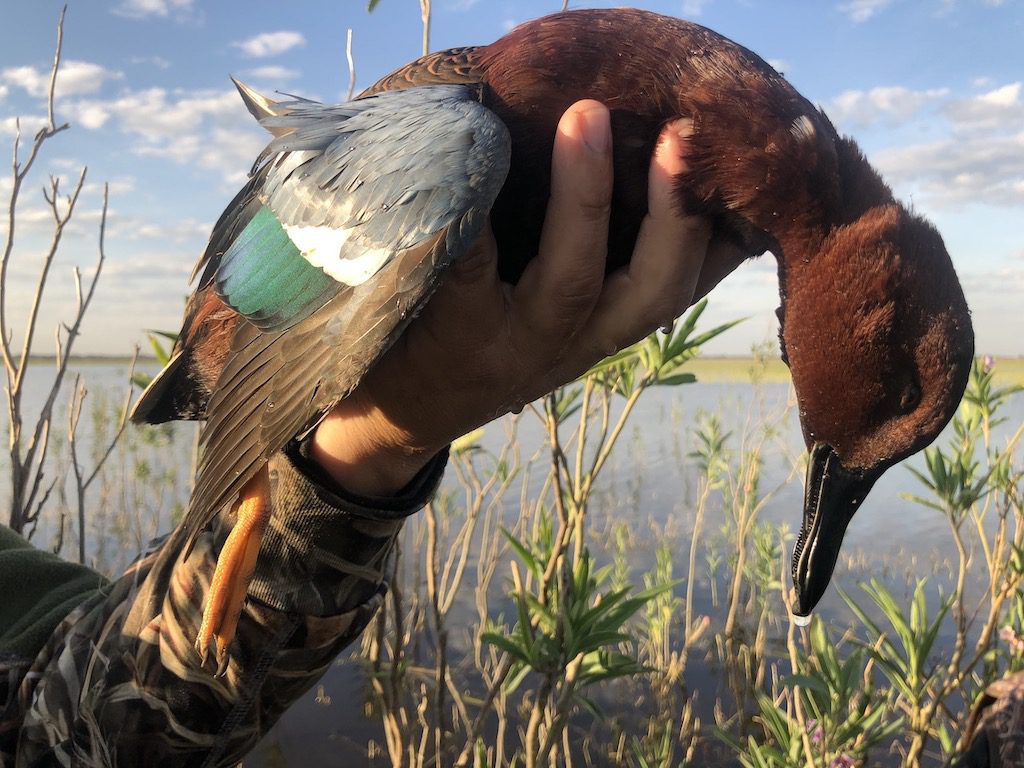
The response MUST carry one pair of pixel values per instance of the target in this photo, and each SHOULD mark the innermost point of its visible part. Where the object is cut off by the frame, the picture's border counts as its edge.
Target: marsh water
(650, 484)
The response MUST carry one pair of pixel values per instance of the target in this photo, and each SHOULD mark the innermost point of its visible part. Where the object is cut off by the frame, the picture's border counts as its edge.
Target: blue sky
(932, 89)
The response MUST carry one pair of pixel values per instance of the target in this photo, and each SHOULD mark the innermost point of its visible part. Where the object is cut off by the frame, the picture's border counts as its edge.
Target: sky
(931, 89)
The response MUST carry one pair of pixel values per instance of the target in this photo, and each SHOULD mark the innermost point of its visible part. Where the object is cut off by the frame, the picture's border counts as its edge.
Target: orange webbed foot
(235, 567)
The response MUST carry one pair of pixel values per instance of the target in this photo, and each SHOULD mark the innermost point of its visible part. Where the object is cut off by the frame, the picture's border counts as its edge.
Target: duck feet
(234, 571)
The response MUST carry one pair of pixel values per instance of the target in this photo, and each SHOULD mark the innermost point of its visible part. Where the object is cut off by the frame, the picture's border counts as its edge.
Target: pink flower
(816, 731)
(1012, 639)
(843, 761)
(987, 363)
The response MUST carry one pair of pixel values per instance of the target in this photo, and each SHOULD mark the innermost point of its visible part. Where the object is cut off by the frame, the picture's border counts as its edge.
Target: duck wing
(353, 213)
(455, 66)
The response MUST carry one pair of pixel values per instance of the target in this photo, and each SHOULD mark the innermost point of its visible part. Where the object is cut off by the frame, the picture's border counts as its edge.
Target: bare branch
(28, 463)
(39, 506)
(38, 478)
(60, 221)
(351, 66)
(74, 414)
(25, 474)
(425, 17)
(19, 172)
(53, 71)
(122, 422)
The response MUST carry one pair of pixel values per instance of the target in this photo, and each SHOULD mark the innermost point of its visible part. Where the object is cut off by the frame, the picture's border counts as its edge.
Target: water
(650, 483)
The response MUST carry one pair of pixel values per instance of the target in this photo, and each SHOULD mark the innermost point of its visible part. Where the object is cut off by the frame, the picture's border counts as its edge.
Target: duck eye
(911, 397)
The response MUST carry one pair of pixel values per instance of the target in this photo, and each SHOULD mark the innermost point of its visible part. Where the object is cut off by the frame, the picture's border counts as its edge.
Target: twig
(351, 66)
(425, 16)
(82, 484)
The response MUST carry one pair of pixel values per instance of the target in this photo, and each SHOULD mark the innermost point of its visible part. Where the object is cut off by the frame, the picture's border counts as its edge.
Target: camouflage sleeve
(120, 684)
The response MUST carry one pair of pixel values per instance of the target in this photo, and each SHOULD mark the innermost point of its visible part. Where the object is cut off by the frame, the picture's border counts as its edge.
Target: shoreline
(710, 369)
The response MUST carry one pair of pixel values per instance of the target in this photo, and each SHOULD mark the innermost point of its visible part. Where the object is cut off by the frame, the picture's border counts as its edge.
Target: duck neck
(801, 229)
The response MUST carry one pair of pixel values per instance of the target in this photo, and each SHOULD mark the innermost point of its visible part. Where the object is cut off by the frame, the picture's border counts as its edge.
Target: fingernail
(595, 129)
(683, 127)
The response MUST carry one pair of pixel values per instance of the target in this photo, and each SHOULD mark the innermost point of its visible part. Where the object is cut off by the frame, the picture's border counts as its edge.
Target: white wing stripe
(322, 247)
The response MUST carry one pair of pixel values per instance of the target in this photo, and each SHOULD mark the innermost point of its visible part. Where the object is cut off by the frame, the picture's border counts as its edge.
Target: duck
(353, 211)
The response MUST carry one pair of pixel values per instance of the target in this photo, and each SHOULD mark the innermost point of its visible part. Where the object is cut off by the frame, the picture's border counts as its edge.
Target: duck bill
(832, 495)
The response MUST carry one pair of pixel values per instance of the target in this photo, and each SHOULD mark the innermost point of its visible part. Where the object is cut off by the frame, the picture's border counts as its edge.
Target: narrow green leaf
(675, 380)
(807, 681)
(505, 644)
(524, 554)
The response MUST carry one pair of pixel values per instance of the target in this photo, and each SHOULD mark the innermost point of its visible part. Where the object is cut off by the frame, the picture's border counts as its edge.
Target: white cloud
(30, 125)
(119, 185)
(157, 61)
(133, 228)
(781, 66)
(3, 92)
(74, 77)
(273, 72)
(1007, 96)
(693, 8)
(207, 129)
(889, 104)
(460, 6)
(998, 109)
(979, 157)
(141, 9)
(35, 220)
(981, 162)
(270, 43)
(92, 116)
(862, 10)
(1007, 280)
(979, 169)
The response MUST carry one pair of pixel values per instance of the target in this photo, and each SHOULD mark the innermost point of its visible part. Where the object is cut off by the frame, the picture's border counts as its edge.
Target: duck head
(878, 339)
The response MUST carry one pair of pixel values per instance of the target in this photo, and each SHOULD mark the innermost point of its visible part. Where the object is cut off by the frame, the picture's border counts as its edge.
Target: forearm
(121, 680)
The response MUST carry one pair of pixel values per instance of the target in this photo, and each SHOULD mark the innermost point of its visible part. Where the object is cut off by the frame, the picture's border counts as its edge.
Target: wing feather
(407, 179)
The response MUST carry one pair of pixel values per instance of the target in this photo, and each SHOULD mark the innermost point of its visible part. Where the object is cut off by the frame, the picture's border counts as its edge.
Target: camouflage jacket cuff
(325, 550)
(409, 500)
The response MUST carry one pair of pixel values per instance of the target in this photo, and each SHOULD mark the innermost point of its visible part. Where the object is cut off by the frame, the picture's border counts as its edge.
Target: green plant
(161, 351)
(572, 638)
(828, 712)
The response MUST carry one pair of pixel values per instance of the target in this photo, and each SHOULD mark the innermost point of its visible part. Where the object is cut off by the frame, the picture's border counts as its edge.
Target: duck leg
(234, 571)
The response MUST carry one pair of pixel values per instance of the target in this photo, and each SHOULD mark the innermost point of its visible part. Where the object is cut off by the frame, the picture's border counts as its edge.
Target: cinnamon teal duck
(353, 211)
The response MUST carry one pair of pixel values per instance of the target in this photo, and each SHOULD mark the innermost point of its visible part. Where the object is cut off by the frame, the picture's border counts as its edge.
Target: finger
(722, 258)
(659, 282)
(670, 247)
(471, 297)
(561, 286)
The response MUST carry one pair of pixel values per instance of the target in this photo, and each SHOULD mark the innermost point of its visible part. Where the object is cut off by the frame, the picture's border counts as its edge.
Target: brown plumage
(874, 324)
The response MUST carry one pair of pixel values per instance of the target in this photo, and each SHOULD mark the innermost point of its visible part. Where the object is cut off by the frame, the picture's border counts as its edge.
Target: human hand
(482, 348)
